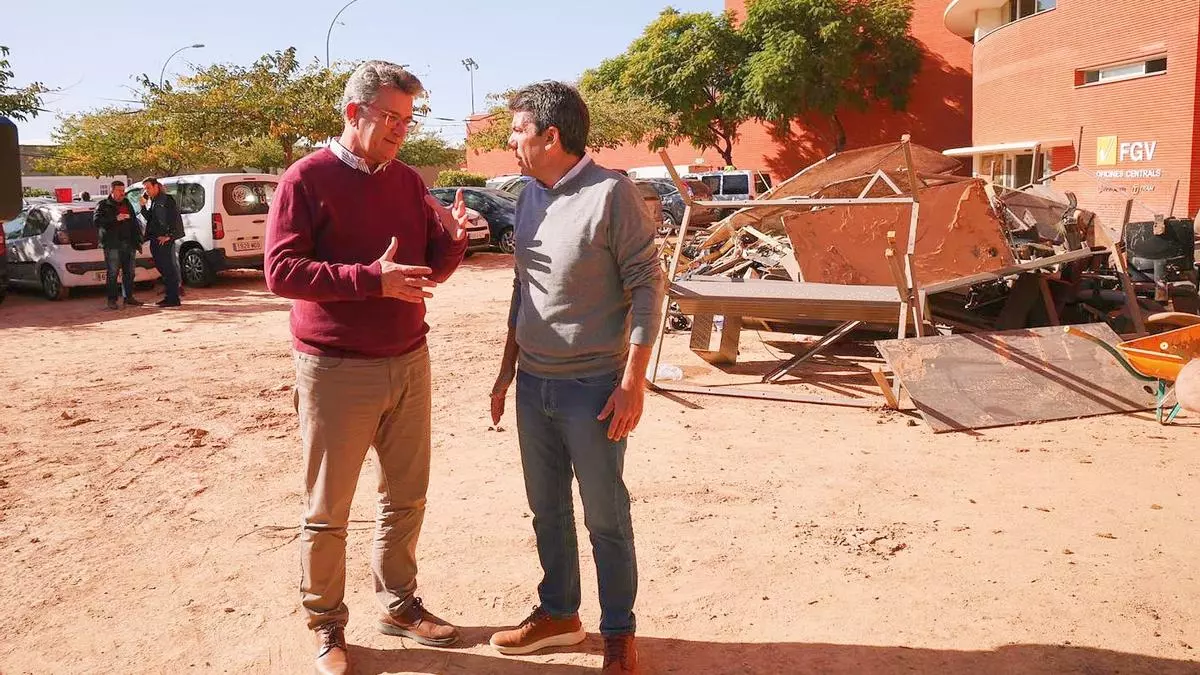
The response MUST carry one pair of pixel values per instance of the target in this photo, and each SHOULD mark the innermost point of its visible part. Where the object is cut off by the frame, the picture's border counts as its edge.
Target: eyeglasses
(396, 120)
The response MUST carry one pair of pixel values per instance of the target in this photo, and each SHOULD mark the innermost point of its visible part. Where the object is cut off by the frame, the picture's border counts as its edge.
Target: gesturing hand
(455, 220)
(404, 282)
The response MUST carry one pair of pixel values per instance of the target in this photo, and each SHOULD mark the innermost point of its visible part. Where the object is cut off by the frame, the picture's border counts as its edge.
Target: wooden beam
(886, 388)
(764, 395)
(1131, 301)
(662, 326)
(1048, 300)
(803, 202)
(679, 184)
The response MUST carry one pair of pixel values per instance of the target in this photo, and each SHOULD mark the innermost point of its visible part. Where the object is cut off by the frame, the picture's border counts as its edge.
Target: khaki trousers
(346, 406)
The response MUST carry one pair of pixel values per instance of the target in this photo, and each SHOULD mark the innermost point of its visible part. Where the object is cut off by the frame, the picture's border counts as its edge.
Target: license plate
(242, 246)
(100, 276)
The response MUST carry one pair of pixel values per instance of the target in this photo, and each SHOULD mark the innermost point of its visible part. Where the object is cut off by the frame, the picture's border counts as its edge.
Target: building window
(1124, 71)
(1019, 9)
(1014, 170)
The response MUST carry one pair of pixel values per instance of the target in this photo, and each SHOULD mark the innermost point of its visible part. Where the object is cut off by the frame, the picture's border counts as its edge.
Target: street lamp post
(163, 72)
(330, 31)
(471, 66)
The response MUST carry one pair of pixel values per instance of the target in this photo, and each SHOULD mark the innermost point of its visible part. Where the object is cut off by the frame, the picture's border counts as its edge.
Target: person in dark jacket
(120, 237)
(164, 226)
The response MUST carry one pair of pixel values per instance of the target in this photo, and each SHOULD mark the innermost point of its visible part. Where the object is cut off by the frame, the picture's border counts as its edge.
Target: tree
(617, 118)
(276, 98)
(691, 66)
(429, 149)
(19, 103)
(114, 141)
(459, 178)
(816, 57)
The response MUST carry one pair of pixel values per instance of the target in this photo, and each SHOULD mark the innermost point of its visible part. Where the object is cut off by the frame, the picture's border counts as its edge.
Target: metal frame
(912, 299)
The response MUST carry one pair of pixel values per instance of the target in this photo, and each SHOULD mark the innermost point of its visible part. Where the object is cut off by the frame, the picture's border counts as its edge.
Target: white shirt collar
(575, 171)
(352, 160)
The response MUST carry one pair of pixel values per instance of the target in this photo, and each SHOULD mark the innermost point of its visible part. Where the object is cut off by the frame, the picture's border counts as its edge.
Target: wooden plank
(1131, 302)
(893, 401)
(702, 327)
(662, 325)
(1030, 266)
(731, 333)
(1048, 300)
(802, 203)
(679, 184)
(774, 395)
(994, 379)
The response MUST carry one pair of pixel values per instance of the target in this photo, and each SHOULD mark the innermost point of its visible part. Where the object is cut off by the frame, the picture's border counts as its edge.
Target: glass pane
(713, 183)
(248, 198)
(1120, 72)
(1156, 65)
(736, 184)
(1044, 5)
(12, 229)
(79, 220)
(474, 201)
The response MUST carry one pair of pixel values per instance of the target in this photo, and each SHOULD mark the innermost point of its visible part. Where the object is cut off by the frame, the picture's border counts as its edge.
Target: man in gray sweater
(586, 303)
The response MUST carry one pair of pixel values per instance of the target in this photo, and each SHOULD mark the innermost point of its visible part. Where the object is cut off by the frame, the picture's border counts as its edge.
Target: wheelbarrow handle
(1116, 354)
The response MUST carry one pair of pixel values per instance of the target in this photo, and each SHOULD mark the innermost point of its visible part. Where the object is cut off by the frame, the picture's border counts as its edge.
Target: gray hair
(366, 81)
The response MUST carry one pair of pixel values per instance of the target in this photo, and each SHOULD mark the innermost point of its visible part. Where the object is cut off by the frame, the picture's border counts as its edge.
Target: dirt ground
(150, 489)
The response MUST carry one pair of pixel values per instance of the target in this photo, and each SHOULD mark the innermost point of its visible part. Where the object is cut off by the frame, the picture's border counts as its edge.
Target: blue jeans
(163, 260)
(560, 436)
(119, 260)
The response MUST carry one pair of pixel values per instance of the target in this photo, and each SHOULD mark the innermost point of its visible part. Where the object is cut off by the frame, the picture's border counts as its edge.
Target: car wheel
(668, 224)
(52, 286)
(196, 270)
(508, 241)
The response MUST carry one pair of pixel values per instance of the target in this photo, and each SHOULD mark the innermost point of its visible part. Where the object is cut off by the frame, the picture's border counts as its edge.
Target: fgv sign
(1109, 151)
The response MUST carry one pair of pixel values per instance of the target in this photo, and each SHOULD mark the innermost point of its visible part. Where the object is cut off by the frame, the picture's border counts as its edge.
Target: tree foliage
(275, 98)
(459, 178)
(617, 118)
(19, 103)
(816, 57)
(789, 60)
(690, 65)
(225, 116)
(430, 149)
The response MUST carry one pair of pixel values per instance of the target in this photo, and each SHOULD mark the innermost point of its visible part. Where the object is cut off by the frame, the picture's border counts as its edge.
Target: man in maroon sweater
(357, 242)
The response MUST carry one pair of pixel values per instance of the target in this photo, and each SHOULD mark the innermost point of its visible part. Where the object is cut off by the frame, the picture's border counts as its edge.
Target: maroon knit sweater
(328, 226)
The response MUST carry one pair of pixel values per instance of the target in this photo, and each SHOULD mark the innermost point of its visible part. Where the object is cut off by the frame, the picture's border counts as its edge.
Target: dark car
(514, 186)
(498, 206)
(673, 206)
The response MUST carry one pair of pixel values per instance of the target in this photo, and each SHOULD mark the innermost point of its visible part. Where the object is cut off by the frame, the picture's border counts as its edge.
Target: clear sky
(92, 51)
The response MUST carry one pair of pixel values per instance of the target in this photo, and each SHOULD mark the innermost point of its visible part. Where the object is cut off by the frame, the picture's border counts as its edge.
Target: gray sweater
(588, 280)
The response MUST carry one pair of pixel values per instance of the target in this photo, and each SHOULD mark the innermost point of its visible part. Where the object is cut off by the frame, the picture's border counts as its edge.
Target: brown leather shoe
(620, 655)
(333, 658)
(538, 632)
(417, 623)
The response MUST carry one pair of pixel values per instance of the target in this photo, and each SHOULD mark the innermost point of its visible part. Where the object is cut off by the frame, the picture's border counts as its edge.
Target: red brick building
(1123, 70)
(938, 115)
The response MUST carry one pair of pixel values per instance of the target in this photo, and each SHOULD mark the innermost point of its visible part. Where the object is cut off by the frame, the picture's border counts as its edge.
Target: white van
(734, 185)
(224, 221)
